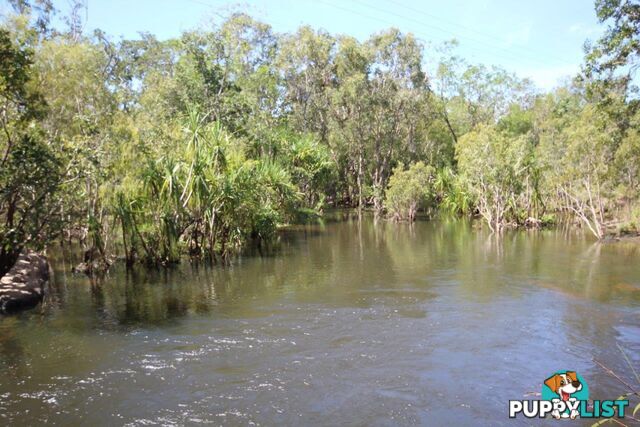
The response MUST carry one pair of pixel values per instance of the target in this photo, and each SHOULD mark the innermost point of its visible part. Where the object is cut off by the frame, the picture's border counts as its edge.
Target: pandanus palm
(204, 192)
(204, 160)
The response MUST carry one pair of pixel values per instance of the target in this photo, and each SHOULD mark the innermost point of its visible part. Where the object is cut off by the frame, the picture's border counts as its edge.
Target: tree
(84, 119)
(579, 166)
(410, 190)
(305, 60)
(30, 171)
(495, 168)
(378, 107)
(627, 164)
(476, 94)
(619, 48)
(205, 142)
(43, 10)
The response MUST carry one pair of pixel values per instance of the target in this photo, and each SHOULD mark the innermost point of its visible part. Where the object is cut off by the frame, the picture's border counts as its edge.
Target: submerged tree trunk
(359, 181)
(585, 210)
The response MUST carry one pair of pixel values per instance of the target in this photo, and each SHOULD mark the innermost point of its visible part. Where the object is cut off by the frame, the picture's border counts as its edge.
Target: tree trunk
(359, 181)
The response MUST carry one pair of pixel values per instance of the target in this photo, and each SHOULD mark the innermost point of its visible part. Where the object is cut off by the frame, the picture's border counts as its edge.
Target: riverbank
(92, 263)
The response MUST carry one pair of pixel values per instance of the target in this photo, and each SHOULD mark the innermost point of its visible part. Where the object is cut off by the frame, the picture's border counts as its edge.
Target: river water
(343, 323)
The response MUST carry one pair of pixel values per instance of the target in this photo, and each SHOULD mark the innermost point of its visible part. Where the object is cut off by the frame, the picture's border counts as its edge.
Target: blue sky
(540, 39)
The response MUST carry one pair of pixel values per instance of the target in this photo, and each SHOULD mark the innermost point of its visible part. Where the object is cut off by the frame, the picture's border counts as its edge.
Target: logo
(566, 387)
(565, 395)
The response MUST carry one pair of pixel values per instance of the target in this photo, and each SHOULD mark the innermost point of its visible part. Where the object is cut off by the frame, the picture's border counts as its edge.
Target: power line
(424, 36)
(485, 47)
(473, 30)
(448, 32)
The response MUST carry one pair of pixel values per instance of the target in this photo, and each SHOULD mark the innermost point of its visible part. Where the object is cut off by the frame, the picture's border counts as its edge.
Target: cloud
(584, 30)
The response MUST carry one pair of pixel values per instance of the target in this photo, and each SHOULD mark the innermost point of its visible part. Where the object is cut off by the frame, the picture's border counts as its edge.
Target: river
(342, 323)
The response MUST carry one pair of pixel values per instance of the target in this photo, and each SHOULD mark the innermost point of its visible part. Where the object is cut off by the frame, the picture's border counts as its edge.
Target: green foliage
(518, 121)
(29, 207)
(619, 47)
(578, 162)
(627, 162)
(496, 169)
(203, 143)
(311, 168)
(409, 190)
(202, 195)
(30, 171)
(451, 192)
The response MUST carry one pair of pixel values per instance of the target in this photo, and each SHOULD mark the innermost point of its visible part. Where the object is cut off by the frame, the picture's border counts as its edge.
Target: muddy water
(346, 322)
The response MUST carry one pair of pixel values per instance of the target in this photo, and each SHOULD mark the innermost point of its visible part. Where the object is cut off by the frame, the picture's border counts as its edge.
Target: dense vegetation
(196, 145)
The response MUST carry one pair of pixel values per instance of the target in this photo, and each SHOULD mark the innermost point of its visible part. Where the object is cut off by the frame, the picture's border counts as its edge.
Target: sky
(542, 40)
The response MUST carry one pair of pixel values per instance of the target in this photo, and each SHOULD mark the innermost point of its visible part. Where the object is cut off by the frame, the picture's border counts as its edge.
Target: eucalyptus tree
(627, 164)
(578, 158)
(614, 58)
(397, 90)
(305, 62)
(378, 107)
(495, 167)
(40, 11)
(250, 49)
(83, 116)
(610, 74)
(31, 168)
(351, 119)
(482, 95)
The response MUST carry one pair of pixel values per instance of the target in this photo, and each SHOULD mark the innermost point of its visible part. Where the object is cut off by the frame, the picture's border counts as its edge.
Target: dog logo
(565, 395)
(567, 387)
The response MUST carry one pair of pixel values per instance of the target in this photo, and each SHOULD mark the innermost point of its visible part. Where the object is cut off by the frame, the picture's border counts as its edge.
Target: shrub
(410, 190)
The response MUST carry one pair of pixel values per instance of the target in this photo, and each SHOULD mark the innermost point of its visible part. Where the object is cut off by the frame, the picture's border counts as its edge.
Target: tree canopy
(203, 143)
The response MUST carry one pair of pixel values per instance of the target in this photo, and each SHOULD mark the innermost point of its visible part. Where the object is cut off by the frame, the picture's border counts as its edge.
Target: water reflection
(345, 321)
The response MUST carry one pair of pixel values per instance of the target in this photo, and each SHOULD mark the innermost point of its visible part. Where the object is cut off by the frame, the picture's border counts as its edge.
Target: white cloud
(584, 30)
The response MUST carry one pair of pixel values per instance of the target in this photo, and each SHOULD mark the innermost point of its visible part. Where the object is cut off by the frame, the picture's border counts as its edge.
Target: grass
(633, 392)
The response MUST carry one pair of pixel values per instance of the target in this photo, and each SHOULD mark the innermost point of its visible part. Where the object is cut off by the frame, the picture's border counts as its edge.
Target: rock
(91, 268)
(93, 263)
(24, 285)
(532, 223)
(82, 268)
